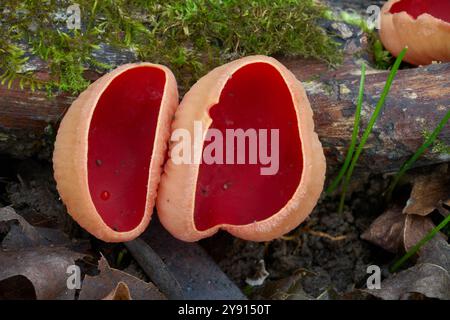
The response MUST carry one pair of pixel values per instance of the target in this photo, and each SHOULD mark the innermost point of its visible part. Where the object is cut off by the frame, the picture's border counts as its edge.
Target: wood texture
(418, 100)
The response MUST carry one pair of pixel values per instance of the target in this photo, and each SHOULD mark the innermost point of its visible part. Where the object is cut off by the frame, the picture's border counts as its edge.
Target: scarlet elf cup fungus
(421, 25)
(196, 199)
(110, 149)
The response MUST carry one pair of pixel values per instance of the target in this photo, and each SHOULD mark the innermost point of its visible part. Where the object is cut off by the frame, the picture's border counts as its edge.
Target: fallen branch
(418, 99)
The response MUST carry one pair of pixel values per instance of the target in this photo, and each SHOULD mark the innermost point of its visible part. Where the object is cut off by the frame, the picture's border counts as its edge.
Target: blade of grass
(370, 125)
(407, 165)
(430, 235)
(351, 150)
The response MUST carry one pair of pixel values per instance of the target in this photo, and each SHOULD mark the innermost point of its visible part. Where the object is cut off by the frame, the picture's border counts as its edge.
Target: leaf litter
(399, 229)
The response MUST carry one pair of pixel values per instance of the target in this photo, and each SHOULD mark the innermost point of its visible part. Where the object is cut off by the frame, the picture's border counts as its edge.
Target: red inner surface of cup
(255, 97)
(437, 8)
(121, 138)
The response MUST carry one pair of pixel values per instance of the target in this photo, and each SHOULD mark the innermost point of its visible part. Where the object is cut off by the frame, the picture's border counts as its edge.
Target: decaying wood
(418, 100)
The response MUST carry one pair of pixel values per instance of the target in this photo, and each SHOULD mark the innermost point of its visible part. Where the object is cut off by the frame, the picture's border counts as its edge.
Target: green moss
(383, 58)
(190, 36)
(438, 145)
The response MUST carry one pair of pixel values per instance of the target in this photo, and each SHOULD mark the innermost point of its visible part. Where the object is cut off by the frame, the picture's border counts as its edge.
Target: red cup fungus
(421, 25)
(196, 199)
(110, 149)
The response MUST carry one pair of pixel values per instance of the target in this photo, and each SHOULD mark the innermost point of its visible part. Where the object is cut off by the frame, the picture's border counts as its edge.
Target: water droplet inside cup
(105, 195)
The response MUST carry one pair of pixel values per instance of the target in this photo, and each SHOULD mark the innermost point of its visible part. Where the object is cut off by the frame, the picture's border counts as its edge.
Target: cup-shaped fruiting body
(110, 149)
(258, 187)
(421, 25)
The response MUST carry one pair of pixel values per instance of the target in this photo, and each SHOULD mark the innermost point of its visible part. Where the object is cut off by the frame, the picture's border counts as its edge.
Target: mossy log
(419, 98)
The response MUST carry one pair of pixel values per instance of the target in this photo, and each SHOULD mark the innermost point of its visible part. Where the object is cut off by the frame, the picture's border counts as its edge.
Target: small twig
(155, 268)
(314, 233)
(326, 235)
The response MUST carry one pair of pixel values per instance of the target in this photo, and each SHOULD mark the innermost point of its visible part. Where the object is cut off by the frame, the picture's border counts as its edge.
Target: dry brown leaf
(120, 292)
(386, 230)
(393, 230)
(431, 280)
(430, 276)
(44, 268)
(31, 266)
(416, 227)
(98, 287)
(436, 252)
(289, 288)
(18, 234)
(429, 191)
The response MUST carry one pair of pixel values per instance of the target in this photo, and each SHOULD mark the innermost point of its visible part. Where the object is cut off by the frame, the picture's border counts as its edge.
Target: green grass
(351, 160)
(348, 158)
(407, 165)
(189, 36)
(411, 252)
(368, 130)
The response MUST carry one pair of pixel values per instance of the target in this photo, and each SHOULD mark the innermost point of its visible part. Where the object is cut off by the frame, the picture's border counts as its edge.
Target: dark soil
(340, 264)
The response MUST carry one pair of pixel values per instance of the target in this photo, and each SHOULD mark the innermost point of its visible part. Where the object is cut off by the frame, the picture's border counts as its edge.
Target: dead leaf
(394, 230)
(289, 288)
(429, 191)
(44, 267)
(431, 280)
(436, 252)
(417, 227)
(386, 230)
(22, 235)
(98, 287)
(430, 276)
(444, 208)
(120, 292)
(33, 261)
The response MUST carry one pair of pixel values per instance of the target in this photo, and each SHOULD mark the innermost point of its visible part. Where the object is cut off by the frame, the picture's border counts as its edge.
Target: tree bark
(418, 100)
